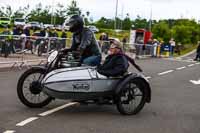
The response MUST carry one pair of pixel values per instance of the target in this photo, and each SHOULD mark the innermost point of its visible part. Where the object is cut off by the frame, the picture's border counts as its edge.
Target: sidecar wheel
(29, 89)
(131, 98)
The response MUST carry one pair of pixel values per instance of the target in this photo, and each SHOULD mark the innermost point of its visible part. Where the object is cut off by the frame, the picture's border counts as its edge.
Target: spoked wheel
(131, 99)
(29, 89)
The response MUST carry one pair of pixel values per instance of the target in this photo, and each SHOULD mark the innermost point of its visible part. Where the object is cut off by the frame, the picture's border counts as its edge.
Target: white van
(19, 21)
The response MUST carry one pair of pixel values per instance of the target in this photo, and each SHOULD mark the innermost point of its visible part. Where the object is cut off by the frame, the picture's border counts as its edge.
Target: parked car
(93, 28)
(58, 27)
(19, 21)
(51, 26)
(34, 25)
(5, 21)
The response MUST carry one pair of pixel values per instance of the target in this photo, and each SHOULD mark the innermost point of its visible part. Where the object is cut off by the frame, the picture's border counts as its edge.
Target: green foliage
(73, 9)
(127, 23)
(161, 31)
(105, 23)
(140, 23)
(184, 31)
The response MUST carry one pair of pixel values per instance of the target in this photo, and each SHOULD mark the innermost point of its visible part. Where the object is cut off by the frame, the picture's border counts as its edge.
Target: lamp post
(150, 23)
(115, 24)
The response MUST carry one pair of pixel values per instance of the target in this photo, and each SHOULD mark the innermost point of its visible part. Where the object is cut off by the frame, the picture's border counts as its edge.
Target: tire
(138, 84)
(20, 88)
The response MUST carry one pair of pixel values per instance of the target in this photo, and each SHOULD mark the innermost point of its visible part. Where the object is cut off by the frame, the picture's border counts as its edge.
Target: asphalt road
(174, 108)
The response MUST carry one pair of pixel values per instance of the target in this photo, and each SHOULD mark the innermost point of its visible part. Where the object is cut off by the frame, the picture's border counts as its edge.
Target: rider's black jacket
(114, 65)
(86, 42)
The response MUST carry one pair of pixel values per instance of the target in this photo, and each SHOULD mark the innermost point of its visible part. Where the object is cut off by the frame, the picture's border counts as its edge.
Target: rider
(83, 40)
(117, 62)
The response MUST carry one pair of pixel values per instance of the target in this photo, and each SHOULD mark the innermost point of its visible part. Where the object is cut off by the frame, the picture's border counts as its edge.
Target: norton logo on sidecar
(81, 86)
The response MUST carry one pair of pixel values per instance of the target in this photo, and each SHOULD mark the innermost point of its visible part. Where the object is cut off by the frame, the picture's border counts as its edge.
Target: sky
(161, 9)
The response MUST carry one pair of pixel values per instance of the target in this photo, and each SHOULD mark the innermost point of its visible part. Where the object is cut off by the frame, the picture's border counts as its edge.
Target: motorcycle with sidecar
(64, 78)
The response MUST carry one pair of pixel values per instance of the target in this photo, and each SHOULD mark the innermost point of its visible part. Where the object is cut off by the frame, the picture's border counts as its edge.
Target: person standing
(154, 48)
(26, 31)
(172, 46)
(124, 41)
(198, 53)
(63, 38)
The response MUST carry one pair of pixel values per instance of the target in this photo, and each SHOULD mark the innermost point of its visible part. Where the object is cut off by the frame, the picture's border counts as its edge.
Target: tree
(87, 13)
(61, 13)
(105, 23)
(140, 23)
(161, 31)
(73, 9)
(127, 22)
(18, 13)
(40, 14)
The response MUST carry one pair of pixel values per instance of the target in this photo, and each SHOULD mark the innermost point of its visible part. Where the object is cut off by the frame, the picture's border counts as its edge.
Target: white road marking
(197, 63)
(162, 73)
(9, 131)
(180, 60)
(180, 68)
(57, 109)
(26, 121)
(195, 82)
(191, 65)
(148, 77)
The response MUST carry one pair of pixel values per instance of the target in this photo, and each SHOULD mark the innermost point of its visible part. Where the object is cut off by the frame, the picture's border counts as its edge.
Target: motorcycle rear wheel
(128, 102)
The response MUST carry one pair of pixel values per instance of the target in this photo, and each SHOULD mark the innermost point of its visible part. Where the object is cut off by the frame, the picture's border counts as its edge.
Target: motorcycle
(59, 79)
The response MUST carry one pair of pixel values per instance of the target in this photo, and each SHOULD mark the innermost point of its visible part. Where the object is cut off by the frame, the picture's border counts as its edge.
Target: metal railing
(41, 46)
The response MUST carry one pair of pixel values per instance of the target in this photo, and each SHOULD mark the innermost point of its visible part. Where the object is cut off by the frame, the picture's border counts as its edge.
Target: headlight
(52, 56)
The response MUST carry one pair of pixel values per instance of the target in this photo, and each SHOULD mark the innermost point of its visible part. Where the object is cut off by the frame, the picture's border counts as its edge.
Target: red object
(145, 34)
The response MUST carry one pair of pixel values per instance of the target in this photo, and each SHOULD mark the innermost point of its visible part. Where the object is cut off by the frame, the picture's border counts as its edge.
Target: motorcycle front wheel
(29, 89)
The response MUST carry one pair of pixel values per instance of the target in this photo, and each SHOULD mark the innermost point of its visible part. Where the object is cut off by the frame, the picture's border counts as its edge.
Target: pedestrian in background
(63, 38)
(198, 53)
(154, 48)
(172, 46)
(159, 51)
(178, 49)
(26, 31)
(16, 30)
(124, 42)
(101, 39)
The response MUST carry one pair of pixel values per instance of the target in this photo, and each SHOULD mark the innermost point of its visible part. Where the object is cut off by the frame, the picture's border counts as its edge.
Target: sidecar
(85, 84)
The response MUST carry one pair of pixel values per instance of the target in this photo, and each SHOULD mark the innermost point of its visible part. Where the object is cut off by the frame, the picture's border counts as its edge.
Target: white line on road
(196, 82)
(57, 109)
(26, 121)
(197, 63)
(162, 73)
(9, 131)
(180, 68)
(148, 77)
(191, 65)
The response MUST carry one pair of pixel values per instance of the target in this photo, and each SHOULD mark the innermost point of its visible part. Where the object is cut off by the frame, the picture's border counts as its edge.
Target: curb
(193, 51)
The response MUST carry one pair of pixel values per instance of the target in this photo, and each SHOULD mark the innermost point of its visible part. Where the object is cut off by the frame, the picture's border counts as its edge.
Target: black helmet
(75, 23)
